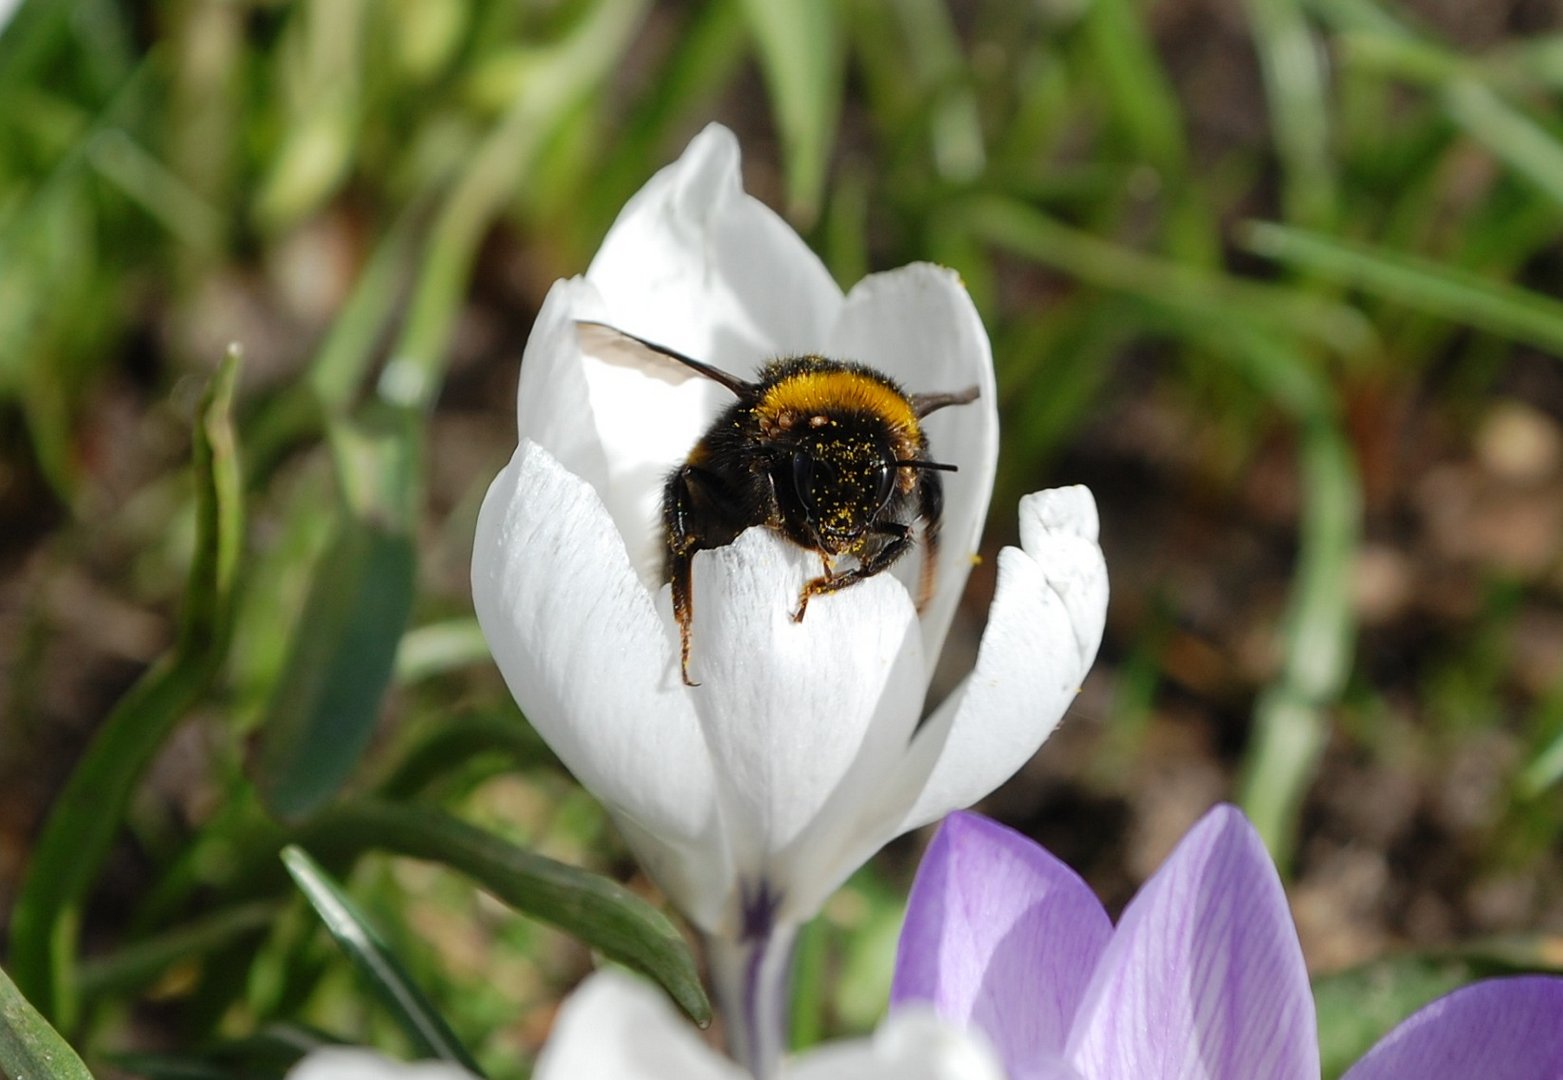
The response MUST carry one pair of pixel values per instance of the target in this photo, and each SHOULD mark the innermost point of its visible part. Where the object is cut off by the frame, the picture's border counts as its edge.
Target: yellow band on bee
(821, 392)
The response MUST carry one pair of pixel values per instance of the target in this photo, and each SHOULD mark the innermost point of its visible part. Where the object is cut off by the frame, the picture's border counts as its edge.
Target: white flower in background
(617, 1027)
(752, 796)
(355, 1063)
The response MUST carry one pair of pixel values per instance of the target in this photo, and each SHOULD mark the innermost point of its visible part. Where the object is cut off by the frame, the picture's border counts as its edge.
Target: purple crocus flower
(1202, 979)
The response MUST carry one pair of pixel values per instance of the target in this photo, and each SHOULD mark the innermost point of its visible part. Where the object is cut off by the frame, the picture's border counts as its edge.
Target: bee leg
(900, 539)
(686, 487)
(930, 496)
(682, 565)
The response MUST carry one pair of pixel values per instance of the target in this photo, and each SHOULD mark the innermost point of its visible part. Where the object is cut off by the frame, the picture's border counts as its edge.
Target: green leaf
(1293, 64)
(1131, 74)
(268, 1054)
(29, 1047)
(77, 834)
(1184, 291)
(324, 709)
(440, 647)
(1427, 286)
(408, 1005)
(602, 913)
(1467, 88)
(800, 47)
(1291, 720)
(558, 79)
(134, 966)
(456, 741)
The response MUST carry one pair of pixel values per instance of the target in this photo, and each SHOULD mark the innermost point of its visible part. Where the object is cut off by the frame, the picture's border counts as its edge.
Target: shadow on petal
(582, 648)
(999, 936)
(1043, 631)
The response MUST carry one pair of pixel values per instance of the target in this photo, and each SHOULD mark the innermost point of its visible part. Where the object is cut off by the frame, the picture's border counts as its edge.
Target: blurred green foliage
(351, 188)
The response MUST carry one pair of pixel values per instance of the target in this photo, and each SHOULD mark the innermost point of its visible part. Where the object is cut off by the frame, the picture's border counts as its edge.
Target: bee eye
(803, 478)
(884, 484)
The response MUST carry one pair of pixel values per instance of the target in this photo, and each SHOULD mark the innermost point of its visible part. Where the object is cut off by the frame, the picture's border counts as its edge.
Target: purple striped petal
(1500, 1029)
(999, 936)
(1204, 978)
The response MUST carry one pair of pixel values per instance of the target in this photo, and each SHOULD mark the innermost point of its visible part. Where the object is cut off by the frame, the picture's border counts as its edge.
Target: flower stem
(752, 977)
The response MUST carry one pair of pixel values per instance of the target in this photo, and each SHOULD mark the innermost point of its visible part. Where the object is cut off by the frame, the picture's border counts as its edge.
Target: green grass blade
(1469, 91)
(560, 80)
(440, 647)
(1292, 63)
(1182, 289)
(77, 834)
(1514, 138)
(707, 53)
(602, 913)
(1545, 770)
(1422, 284)
(801, 53)
(134, 966)
(1291, 717)
(29, 1047)
(1291, 721)
(412, 1010)
(1131, 74)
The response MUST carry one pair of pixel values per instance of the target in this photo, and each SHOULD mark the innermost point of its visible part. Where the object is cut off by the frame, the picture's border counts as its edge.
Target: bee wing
(616, 347)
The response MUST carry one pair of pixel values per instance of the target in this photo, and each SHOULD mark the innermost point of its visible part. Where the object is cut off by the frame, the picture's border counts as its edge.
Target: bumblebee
(829, 453)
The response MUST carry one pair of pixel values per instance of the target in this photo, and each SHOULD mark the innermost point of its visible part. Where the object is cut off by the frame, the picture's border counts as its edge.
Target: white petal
(553, 408)
(617, 1027)
(1043, 631)
(918, 325)
(802, 719)
(583, 650)
(352, 1063)
(695, 264)
(913, 1044)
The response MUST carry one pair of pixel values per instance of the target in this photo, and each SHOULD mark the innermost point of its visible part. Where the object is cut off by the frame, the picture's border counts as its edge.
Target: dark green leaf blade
(412, 1010)
(28, 1045)
(324, 709)
(602, 913)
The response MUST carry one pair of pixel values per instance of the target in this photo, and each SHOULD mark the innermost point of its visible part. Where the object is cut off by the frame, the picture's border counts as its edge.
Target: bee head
(841, 482)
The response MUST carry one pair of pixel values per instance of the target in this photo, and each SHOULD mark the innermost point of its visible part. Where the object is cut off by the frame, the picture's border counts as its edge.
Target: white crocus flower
(617, 1027)
(752, 796)
(357, 1063)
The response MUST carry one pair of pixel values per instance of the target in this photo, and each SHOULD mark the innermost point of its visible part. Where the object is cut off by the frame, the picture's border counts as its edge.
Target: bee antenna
(938, 465)
(923, 404)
